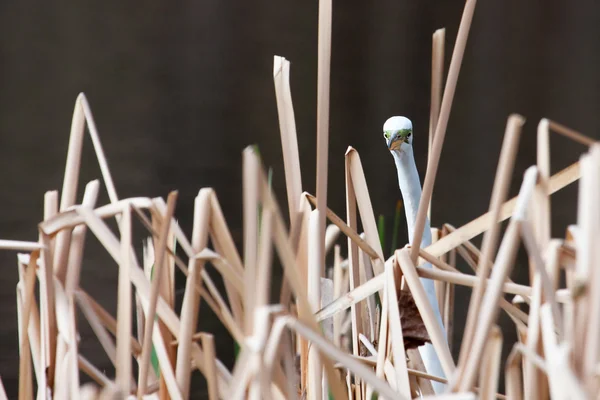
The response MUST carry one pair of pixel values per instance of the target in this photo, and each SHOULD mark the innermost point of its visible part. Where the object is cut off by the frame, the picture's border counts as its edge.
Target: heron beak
(396, 143)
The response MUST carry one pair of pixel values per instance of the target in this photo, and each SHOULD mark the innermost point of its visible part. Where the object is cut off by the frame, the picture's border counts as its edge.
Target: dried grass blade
(123, 364)
(287, 128)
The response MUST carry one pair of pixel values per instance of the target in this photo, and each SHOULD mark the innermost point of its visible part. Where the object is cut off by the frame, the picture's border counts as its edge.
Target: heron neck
(410, 186)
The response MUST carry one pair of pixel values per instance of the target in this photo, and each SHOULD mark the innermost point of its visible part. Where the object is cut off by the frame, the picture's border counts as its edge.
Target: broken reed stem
(123, 365)
(323, 77)
(154, 292)
(437, 81)
(25, 386)
(442, 123)
(191, 298)
(502, 180)
(250, 202)
(287, 128)
(502, 268)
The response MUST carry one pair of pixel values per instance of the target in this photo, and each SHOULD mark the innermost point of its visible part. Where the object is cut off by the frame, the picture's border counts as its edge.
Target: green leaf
(236, 349)
(153, 355)
(396, 226)
(381, 230)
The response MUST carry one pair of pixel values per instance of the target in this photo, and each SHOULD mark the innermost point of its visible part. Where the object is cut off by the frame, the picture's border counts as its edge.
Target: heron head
(397, 132)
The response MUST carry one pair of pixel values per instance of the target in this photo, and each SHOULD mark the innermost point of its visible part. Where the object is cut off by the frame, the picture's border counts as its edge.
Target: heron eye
(386, 135)
(409, 133)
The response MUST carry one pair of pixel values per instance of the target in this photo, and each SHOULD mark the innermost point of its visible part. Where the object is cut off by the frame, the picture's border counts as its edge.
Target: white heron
(398, 133)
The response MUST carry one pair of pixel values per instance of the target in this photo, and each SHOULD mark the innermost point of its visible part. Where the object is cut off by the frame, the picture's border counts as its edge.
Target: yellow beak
(396, 143)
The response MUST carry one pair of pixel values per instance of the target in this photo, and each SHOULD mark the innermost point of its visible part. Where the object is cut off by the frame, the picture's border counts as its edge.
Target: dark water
(178, 89)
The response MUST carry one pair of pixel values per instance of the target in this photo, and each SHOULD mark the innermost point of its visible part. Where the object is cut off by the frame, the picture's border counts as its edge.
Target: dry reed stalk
(2, 391)
(383, 339)
(338, 289)
(223, 242)
(435, 331)
(396, 336)
(347, 230)
(440, 287)
(363, 200)
(263, 273)
(323, 77)
(123, 365)
(585, 253)
(287, 128)
(107, 320)
(479, 225)
(369, 308)
(327, 349)
(442, 123)
(592, 342)
(81, 114)
(90, 370)
(48, 312)
(502, 267)
(489, 375)
(208, 344)
(437, 78)
(504, 170)
(332, 232)
(423, 379)
(75, 257)
(98, 328)
(25, 384)
(110, 242)
(191, 299)
(286, 255)
(315, 271)
(34, 329)
(461, 235)
(250, 202)
(353, 272)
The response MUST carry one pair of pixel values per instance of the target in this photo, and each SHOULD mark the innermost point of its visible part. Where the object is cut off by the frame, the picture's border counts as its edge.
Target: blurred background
(178, 89)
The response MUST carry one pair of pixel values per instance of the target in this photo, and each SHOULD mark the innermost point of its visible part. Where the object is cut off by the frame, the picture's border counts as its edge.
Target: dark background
(178, 89)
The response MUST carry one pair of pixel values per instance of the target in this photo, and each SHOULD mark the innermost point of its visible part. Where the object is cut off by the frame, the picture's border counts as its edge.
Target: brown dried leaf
(413, 328)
